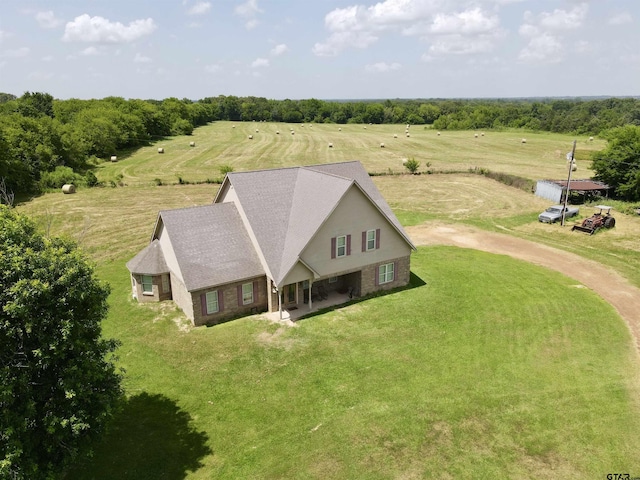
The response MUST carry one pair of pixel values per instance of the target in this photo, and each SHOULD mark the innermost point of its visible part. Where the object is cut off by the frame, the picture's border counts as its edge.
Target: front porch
(297, 299)
(294, 312)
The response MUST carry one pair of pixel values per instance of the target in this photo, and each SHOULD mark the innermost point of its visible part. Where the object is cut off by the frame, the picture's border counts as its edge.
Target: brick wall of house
(370, 274)
(158, 294)
(230, 307)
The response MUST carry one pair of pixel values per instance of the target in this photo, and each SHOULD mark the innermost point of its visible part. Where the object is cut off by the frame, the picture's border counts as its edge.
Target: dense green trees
(619, 164)
(58, 384)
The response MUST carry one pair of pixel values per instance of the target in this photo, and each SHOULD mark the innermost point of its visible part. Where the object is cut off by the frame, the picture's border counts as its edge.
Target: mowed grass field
(487, 367)
(227, 143)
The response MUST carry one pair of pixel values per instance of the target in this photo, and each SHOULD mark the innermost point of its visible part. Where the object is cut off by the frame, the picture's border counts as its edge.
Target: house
(274, 240)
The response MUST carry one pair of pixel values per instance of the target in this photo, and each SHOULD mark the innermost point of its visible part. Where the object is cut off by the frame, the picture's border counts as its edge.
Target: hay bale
(404, 161)
(114, 158)
(192, 144)
(160, 150)
(482, 134)
(339, 129)
(277, 132)
(524, 140)
(256, 130)
(438, 133)
(292, 132)
(395, 135)
(331, 145)
(408, 134)
(591, 139)
(250, 137)
(68, 188)
(233, 126)
(475, 135)
(382, 145)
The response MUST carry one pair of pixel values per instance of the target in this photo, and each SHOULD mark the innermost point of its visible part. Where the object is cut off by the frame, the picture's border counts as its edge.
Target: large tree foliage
(58, 382)
(618, 165)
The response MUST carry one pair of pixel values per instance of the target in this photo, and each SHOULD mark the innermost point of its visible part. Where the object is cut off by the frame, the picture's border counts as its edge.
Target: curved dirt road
(611, 286)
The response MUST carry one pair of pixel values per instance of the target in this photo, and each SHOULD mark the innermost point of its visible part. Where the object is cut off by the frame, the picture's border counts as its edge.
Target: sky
(324, 49)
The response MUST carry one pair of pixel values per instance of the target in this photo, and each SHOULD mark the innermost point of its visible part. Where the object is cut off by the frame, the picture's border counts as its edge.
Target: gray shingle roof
(285, 216)
(211, 245)
(150, 261)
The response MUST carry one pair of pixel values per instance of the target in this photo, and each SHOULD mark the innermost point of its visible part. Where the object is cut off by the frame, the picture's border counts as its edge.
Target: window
(147, 284)
(166, 287)
(371, 240)
(333, 279)
(212, 302)
(341, 246)
(247, 293)
(385, 273)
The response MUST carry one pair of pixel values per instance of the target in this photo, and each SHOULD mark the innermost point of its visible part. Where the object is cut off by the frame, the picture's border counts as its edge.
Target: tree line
(40, 135)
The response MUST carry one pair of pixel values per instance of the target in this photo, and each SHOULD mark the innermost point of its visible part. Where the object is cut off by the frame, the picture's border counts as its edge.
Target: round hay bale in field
(524, 140)
(365, 127)
(277, 132)
(408, 135)
(114, 158)
(292, 132)
(591, 139)
(475, 135)
(233, 126)
(160, 150)
(68, 188)
(438, 133)
(382, 145)
(257, 130)
(404, 161)
(339, 129)
(331, 145)
(482, 134)
(192, 144)
(395, 135)
(574, 167)
(250, 137)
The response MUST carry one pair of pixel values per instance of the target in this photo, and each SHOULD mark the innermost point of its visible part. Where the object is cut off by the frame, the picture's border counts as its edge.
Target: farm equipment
(600, 219)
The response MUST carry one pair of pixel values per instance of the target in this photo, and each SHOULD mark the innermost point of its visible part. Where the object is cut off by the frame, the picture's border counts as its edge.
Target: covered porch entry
(298, 299)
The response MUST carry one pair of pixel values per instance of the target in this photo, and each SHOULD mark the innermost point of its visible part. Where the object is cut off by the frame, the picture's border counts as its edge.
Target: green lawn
(477, 373)
(493, 368)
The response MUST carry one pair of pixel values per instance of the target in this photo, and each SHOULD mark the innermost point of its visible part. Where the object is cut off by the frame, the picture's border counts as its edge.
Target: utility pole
(566, 197)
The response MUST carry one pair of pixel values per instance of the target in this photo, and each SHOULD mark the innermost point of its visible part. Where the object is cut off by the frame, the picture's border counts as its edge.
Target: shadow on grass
(414, 282)
(150, 438)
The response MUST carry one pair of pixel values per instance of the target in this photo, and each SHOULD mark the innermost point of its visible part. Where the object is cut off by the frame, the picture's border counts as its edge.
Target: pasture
(458, 376)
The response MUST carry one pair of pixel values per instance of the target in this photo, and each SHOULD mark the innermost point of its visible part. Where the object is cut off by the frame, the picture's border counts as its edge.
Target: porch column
(280, 304)
(310, 300)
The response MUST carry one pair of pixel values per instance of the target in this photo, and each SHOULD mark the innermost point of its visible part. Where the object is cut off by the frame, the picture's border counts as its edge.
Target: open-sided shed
(554, 190)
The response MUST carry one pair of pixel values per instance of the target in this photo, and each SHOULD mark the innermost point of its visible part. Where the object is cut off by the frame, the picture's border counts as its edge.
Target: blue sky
(326, 49)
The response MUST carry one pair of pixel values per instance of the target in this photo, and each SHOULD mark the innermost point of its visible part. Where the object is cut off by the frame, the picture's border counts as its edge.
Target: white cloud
(469, 22)
(543, 49)
(212, 68)
(16, 53)
(340, 40)
(260, 63)
(564, 20)
(48, 19)
(248, 9)
(620, 19)
(461, 45)
(279, 50)
(382, 67)
(359, 26)
(199, 8)
(4, 35)
(100, 30)
(90, 52)
(48, 58)
(139, 58)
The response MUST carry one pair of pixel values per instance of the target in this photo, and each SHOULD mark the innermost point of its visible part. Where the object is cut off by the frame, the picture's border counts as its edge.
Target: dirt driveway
(611, 286)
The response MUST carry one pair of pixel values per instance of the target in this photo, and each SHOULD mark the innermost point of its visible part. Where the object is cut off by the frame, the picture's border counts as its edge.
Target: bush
(59, 177)
(90, 179)
(412, 165)
(224, 169)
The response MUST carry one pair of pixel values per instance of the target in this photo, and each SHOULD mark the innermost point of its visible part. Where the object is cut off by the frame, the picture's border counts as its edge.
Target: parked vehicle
(554, 213)
(601, 219)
